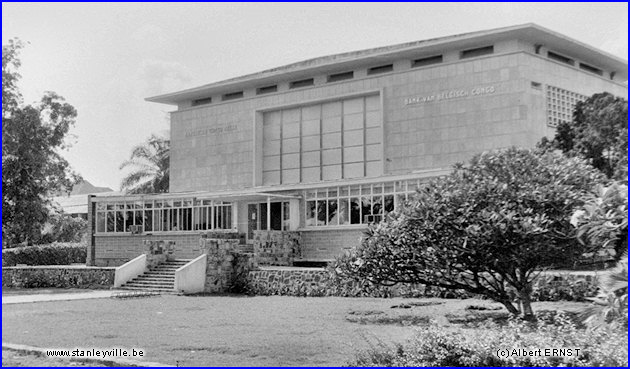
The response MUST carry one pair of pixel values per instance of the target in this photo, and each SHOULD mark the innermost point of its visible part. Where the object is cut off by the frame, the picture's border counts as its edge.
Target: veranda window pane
(110, 221)
(389, 203)
(228, 217)
(101, 218)
(366, 209)
(321, 212)
(129, 218)
(377, 205)
(333, 217)
(139, 218)
(120, 221)
(186, 219)
(343, 211)
(310, 213)
(355, 211)
(148, 220)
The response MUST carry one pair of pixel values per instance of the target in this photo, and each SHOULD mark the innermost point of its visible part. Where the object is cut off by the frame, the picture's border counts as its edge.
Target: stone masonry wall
(158, 252)
(227, 268)
(277, 247)
(58, 277)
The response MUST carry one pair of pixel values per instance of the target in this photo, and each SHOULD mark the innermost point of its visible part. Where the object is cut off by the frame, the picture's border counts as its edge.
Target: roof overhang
(289, 191)
(334, 63)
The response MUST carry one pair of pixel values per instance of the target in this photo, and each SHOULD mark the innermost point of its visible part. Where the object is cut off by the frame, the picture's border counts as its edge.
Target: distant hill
(85, 187)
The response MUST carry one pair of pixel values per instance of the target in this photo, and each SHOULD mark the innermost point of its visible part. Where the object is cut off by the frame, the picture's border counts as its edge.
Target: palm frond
(149, 163)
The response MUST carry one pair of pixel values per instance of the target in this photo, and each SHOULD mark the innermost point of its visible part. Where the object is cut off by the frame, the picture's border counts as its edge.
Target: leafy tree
(598, 132)
(150, 167)
(487, 229)
(603, 220)
(62, 227)
(11, 96)
(32, 167)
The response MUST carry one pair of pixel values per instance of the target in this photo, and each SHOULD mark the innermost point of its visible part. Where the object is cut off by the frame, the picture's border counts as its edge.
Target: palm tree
(150, 163)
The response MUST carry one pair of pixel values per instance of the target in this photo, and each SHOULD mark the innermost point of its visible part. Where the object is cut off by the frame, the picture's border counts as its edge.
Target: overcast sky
(105, 59)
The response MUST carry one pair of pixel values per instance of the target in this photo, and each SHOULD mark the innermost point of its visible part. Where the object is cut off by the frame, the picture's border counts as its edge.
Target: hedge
(51, 254)
(549, 286)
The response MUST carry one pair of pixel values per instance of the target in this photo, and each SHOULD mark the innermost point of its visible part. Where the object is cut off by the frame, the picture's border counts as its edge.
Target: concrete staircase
(158, 279)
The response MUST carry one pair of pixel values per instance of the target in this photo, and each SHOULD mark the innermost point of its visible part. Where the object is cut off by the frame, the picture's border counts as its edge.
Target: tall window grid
(163, 216)
(328, 141)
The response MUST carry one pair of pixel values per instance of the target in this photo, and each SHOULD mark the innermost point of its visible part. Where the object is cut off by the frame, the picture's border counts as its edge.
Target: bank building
(296, 161)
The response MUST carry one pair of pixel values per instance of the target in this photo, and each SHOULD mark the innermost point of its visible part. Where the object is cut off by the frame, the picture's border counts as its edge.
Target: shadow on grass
(379, 317)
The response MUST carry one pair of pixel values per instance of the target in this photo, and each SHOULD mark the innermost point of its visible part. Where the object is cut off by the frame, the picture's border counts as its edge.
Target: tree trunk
(510, 307)
(526, 301)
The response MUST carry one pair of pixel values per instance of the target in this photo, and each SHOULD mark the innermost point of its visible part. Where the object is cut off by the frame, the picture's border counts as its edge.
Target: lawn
(12, 358)
(40, 291)
(235, 330)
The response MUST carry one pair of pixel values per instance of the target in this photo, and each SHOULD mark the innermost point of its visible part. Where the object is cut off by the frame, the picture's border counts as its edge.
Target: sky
(106, 58)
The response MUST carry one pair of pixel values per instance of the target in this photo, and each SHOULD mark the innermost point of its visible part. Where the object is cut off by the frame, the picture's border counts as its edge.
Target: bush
(484, 228)
(611, 303)
(51, 254)
(434, 346)
(62, 227)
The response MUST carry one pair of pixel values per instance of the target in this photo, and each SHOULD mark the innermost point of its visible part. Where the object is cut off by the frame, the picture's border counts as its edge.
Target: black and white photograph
(315, 184)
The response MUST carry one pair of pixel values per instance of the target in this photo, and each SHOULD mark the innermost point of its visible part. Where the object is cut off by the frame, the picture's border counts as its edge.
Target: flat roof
(273, 191)
(530, 31)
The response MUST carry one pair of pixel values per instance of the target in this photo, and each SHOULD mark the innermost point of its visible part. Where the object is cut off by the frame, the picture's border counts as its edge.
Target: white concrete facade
(334, 143)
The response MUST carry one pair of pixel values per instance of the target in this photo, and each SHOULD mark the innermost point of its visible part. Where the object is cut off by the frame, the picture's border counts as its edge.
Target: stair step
(170, 266)
(149, 279)
(150, 283)
(161, 276)
(130, 288)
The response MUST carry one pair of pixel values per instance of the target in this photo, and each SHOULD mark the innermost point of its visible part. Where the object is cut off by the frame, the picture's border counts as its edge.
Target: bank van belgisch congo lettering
(451, 94)
(210, 131)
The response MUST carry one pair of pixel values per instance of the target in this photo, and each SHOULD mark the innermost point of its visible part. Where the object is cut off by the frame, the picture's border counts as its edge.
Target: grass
(19, 359)
(40, 291)
(232, 330)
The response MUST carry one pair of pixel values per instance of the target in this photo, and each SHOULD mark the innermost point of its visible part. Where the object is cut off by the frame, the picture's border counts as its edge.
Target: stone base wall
(227, 268)
(277, 247)
(58, 277)
(158, 252)
(303, 282)
(328, 244)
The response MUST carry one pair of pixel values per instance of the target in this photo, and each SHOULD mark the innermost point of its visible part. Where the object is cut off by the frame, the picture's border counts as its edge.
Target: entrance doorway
(258, 219)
